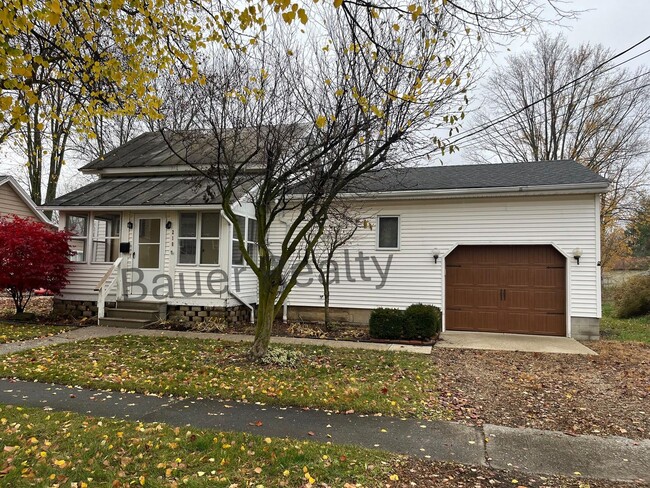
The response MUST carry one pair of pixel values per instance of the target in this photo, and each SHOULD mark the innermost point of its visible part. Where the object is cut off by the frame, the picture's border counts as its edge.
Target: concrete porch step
(133, 305)
(133, 313)
(122, 322)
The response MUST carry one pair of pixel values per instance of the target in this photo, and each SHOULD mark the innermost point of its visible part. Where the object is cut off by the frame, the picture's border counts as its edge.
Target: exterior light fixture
(577, 253)
(168, 225)
(130, 225)
(436, 255)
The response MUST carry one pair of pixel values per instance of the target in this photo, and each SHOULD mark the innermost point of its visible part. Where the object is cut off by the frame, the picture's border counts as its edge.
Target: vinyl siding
(567, 222)
(12, 204)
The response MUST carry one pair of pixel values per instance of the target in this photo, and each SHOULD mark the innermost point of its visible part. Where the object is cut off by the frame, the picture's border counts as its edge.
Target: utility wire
(510, 115)
(510, 128)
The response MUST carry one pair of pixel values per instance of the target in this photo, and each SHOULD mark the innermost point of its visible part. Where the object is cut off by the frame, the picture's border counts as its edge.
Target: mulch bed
(608, 394)
(436, 475)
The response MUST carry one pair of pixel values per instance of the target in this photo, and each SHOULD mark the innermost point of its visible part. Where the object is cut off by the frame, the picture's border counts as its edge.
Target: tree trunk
(326, 305)
(18, 301)
(265, 319)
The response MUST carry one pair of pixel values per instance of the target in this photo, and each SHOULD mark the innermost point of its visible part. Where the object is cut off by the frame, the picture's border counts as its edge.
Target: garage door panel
(481, 298)
(549, 301)
(518, 289)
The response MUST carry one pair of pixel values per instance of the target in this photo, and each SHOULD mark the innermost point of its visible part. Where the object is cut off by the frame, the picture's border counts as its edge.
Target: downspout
(230, 291)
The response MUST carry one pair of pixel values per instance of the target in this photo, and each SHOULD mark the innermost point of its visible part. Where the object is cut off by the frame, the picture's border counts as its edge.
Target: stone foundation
(76, 308)
(178, 313)
(585, 328)
(199, 313)
(355, 316)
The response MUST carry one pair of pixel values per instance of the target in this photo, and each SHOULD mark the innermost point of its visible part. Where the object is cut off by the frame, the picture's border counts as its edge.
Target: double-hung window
(77, 225)
(198, 238)
(105, 238)
(248, 227)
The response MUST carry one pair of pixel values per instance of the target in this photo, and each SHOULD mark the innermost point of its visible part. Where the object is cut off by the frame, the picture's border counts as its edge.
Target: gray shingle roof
(509, 175)
(138, 191)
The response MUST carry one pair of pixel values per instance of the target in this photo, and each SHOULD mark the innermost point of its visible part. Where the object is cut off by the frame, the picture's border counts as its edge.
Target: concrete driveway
(511, 342)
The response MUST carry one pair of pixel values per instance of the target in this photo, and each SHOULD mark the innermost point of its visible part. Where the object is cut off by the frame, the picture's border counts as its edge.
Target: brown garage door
(515, 289)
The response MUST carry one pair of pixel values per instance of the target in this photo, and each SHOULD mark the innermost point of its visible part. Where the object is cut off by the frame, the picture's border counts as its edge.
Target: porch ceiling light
(577, 254)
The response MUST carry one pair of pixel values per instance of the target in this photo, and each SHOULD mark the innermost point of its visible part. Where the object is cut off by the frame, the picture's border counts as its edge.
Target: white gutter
(465, 192)
(230, 291)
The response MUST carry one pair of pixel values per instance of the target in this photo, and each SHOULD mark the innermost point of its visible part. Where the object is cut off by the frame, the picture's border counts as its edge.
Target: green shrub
(386, 323)
(632, 297)
(421, 321)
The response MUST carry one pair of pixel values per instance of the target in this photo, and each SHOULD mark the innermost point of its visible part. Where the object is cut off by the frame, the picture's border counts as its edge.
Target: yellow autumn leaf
(321, 121)
(338, 3)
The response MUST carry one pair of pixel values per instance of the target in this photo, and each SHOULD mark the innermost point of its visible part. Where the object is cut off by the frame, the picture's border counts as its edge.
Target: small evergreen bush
(632, 297)
(386, 323)
(421, 321)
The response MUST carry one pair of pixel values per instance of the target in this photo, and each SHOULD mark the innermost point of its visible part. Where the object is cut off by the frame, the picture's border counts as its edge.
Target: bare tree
(601, 121)
(341, 226)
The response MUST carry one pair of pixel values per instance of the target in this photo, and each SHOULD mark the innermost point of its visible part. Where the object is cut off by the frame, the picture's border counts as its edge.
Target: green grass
(634, 329)
(336, 379)
(22, 332)
(40, 448)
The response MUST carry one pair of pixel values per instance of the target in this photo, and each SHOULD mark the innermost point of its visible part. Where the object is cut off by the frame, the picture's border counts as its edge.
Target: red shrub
(32, 255)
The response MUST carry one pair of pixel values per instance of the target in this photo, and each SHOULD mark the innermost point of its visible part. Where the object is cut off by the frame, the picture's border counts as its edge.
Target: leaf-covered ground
(62, 449)
(41, 306)
(41, 448)
(12, 332)
(634, 329)
(608, 394)
(335, 379)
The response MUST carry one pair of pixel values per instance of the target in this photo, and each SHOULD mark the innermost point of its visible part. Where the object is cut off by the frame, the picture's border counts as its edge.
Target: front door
(148, 257)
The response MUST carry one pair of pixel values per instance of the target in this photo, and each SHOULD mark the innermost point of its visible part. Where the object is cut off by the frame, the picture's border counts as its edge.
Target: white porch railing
(112, 278)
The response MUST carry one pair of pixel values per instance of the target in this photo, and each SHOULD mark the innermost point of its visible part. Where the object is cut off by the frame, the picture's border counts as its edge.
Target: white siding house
(429, 226)
(501, 248)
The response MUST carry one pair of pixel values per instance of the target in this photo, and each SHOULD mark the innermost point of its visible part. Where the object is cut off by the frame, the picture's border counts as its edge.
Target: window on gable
(388, 233)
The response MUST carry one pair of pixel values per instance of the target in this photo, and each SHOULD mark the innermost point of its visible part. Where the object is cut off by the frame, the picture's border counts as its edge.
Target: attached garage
(506, 288)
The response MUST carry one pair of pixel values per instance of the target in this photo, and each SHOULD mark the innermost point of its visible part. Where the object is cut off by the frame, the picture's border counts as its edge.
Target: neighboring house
(500, 248)
(15, 201)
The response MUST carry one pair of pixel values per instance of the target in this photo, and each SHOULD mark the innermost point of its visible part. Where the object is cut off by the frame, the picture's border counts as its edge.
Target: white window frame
(399, 233)
(198, 238)
(247, 240)
(84, 238)
(94, 238)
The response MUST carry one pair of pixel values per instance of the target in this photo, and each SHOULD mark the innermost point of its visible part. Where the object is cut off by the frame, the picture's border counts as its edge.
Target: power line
(510, 115)
(515, 125)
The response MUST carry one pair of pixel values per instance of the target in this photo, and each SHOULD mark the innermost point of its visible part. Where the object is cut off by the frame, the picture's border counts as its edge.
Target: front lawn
(336, 379)
(62, 449)
(635, 329)
(22, 332)
(40, 448)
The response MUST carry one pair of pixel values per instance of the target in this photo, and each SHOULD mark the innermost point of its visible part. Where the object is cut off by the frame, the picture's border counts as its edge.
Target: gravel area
(608, 394)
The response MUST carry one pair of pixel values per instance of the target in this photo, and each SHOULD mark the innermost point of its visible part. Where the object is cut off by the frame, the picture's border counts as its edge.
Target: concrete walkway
(533, 451)
(511, 342)
(92, 332)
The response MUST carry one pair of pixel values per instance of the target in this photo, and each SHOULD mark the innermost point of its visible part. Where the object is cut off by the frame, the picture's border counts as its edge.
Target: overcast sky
(617, 24)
